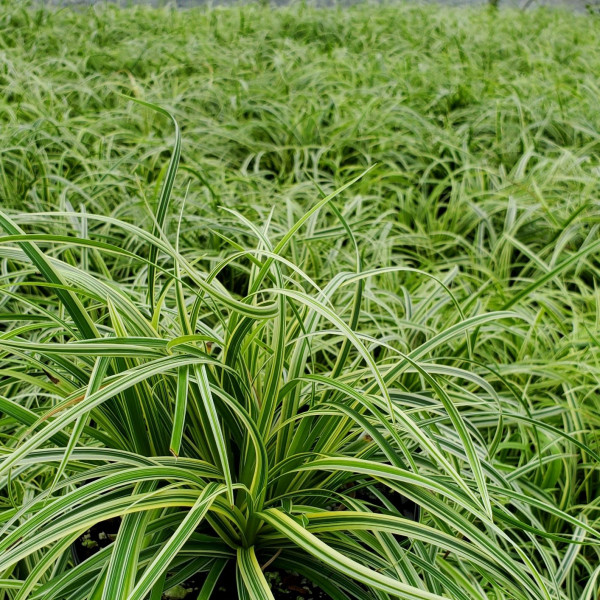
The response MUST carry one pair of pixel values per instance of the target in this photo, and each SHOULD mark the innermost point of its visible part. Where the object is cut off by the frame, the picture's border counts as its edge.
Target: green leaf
(170, 549)
(317, 548)
(180, 410)
(252, 575)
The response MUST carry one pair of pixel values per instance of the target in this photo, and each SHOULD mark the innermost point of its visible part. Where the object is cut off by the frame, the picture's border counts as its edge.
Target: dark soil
(94, 539)
(287, 585)
(226, 588)
(190, 588)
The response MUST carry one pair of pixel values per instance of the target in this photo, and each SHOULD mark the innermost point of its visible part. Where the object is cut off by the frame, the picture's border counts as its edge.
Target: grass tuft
(299, 290)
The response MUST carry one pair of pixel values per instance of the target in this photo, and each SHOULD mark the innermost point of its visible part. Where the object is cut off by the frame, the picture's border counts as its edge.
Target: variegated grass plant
(224, 428)
(244, 368)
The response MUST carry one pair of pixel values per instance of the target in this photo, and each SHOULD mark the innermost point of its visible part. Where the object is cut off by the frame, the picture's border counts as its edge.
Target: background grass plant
(367, 258)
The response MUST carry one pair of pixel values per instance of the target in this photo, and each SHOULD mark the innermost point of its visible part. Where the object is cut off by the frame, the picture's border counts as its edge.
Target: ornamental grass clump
(339, 343)
(239, 430)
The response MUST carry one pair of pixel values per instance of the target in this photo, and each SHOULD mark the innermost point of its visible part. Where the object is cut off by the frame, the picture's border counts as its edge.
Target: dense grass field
(267, 276)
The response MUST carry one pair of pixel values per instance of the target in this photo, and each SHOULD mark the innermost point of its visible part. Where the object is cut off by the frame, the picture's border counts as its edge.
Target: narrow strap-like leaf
(162, 561)
(180, 409)
(322, 551)
(252, 575)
